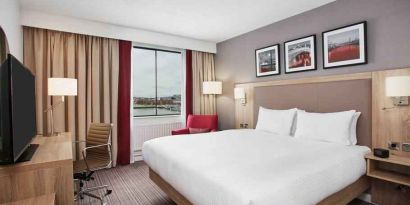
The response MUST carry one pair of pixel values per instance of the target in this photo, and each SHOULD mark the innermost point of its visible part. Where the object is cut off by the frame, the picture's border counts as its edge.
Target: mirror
(4, 46)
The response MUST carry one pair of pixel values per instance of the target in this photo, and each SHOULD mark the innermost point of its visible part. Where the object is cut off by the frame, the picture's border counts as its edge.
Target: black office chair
(97, 155)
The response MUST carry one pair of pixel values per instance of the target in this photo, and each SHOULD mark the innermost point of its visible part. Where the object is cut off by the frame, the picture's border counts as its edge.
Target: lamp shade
(62, 87)
(239, 93)
(212, 87)
(397, 86)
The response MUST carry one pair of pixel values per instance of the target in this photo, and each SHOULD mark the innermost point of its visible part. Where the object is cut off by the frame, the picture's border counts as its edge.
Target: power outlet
(394, 145)
(405, 147)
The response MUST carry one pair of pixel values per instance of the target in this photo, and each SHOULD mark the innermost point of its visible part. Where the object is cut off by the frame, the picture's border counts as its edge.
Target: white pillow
(330, 127)
(277, 121)
(353, 126)
(295, 123)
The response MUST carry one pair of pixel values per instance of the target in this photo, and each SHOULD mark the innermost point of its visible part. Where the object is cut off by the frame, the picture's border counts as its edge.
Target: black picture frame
(277, 65)
(314, 64)
(363, 60)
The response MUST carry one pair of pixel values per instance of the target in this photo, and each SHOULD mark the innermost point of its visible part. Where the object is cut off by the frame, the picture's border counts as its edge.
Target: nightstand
(390, 179)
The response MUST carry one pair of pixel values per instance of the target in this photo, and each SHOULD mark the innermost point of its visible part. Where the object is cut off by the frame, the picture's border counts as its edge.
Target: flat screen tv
(17, 111)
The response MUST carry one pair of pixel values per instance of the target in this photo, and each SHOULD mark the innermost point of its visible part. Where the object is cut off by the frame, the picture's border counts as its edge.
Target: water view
(157, 82)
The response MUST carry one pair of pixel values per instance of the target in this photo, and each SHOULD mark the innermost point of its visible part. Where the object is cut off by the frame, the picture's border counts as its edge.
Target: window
(157, 82)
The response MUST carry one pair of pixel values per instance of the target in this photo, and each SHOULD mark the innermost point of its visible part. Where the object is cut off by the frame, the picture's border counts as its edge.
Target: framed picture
(300, 54)
(267, 61)
(345, 46)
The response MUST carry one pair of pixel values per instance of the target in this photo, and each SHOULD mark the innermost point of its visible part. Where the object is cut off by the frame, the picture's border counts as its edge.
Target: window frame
(170, 50)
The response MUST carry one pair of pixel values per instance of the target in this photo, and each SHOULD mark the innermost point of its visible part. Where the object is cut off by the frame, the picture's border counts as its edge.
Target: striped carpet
(131, 185)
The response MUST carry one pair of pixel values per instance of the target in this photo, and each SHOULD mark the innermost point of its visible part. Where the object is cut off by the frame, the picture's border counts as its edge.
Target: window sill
(156, 120)
(156, 116)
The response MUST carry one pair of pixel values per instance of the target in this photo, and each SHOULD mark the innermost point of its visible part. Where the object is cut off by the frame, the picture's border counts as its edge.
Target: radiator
(143, 133)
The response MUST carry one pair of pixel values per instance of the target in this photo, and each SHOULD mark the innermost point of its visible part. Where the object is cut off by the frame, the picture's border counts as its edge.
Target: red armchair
(199, 122)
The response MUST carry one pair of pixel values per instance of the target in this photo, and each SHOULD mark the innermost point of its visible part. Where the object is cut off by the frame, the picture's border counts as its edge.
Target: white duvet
(250, 167)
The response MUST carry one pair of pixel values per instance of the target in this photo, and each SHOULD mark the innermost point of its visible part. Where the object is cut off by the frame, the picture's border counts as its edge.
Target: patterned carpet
(131, 185)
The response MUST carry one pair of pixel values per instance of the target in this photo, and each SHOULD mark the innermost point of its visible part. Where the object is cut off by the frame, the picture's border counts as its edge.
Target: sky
(169, 67)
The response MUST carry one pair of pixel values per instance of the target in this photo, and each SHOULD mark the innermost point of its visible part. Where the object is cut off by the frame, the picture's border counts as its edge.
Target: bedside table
(390, 179)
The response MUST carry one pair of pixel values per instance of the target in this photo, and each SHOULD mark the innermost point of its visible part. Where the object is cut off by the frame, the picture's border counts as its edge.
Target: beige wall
(10, 22)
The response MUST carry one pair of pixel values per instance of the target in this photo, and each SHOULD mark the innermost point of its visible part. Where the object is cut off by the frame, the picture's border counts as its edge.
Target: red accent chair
(199, 122)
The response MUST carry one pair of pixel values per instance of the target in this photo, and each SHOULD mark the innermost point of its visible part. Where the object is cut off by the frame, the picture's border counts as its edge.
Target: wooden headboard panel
(317, 94)
(321, 97)
(359, 91)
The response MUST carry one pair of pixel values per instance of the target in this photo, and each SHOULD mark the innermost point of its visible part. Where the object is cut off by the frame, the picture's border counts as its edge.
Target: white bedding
(250, 167)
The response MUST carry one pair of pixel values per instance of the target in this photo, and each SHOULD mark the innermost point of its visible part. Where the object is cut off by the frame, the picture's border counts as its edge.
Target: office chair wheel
(108, 192)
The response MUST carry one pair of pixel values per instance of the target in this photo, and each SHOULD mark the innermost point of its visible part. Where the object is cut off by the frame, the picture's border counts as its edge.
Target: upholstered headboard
(321, 97)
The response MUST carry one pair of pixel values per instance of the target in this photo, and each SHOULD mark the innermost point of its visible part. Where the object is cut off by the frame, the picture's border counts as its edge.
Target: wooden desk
(49, 171)
(48, 199)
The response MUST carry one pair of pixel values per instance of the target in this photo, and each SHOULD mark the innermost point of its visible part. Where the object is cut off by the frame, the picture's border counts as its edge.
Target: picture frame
(267, 61)
(345, 46)
(300, 54)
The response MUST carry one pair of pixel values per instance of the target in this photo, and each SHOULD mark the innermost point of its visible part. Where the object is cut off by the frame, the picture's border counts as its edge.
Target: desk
(38, 200)
(49, 171)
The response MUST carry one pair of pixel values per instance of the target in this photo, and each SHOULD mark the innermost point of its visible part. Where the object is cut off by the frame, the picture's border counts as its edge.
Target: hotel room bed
(251, 167)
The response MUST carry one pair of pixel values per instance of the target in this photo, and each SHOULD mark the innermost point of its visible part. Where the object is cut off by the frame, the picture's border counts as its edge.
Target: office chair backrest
(99, 134)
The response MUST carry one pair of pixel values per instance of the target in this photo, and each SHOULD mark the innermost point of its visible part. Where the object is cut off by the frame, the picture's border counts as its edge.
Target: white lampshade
(62, 87)
(397, 86)
(239, 93)
(212, 87)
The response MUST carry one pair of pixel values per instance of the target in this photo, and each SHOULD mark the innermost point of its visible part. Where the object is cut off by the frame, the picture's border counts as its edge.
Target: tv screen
(17, 110)
(23, 106)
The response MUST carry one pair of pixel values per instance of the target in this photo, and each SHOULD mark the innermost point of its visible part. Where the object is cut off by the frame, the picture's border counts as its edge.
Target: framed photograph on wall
(267, 61)
(300, 54)
(345, 46)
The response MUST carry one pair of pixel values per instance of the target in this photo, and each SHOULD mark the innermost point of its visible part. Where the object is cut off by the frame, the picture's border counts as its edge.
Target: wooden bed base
(341, 197)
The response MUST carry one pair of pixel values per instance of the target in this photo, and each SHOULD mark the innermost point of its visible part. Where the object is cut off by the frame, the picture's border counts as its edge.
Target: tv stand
(28, 153)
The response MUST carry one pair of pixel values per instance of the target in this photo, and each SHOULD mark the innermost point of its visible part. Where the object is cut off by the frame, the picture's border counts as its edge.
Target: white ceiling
(209, 20)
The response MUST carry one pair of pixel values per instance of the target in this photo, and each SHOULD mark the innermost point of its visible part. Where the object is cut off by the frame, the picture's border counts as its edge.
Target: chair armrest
(84, 153)
(183, 131)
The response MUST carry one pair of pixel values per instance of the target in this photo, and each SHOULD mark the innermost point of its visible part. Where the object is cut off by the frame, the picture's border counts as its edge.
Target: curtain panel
(93, 61)
(124, 104)
(188, 84)
(203, 69)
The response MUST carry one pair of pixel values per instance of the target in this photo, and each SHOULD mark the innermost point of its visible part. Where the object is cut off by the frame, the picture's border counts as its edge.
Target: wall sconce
(212, 87)
(239, 94)
(398, 88)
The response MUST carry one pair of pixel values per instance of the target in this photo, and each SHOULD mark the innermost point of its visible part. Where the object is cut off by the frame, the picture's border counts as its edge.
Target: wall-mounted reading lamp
(398, 88)
(239, 94)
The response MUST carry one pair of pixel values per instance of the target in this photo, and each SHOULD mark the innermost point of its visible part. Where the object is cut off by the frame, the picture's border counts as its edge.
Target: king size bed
(258, 167)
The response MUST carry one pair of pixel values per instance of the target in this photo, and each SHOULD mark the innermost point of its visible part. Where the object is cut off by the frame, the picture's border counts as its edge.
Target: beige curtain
(93, 61)
(203, 69)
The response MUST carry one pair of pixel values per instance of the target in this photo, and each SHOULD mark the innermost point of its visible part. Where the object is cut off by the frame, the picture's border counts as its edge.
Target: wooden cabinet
(49, 171)
(390, 179)
(48, 199)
